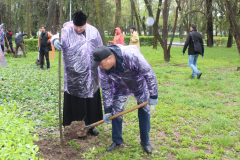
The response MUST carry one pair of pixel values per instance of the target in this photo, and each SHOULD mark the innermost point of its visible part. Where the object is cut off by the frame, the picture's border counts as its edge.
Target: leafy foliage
(16, 134)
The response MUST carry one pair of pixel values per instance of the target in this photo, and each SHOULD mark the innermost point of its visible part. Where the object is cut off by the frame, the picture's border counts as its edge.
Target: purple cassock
(137, 78)
(82, 100)
(3, 62)
(80, 80)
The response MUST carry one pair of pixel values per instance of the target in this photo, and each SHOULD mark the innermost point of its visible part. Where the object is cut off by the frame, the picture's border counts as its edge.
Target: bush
(30, 44)
(16, 141)
(222, 41)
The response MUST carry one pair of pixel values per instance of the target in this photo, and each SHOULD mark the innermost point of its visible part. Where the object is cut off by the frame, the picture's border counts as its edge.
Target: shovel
(117, 115)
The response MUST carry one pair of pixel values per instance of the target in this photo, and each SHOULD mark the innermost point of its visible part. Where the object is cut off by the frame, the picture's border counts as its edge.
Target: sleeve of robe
(107, 90)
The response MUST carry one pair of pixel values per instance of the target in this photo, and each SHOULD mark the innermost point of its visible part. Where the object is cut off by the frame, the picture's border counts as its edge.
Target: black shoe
(93, 132)
(199, 75)
(147, 149)
(113, 147)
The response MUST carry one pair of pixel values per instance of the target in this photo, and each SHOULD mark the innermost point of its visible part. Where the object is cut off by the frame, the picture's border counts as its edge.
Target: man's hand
(57, 45)
(37, 46)
(182, 53)
(106, 116)
(152, 101)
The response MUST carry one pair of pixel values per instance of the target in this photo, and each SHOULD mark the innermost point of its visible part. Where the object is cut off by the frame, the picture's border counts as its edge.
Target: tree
(209, 23)
(28, 19)
(51, 9)
(9, 14)
(117, 16)
(233, 22)
(137, 17)
(101, 30)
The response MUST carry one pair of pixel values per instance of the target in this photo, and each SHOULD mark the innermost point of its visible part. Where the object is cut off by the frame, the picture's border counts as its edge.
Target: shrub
(31, 44)
(16, 140)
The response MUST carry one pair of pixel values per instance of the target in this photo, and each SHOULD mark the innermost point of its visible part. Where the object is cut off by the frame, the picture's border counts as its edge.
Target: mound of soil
(75, 130)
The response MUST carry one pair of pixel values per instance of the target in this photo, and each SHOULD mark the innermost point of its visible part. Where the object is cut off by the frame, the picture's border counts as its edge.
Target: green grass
(194, 119)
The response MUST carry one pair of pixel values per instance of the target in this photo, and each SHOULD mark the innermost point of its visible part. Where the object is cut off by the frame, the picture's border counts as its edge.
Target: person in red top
(119, 38)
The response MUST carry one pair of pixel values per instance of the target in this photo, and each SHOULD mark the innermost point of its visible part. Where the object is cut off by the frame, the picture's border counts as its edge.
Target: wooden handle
(122, 113)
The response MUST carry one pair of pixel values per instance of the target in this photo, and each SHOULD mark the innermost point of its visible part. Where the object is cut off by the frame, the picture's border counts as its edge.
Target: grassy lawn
(194, 119)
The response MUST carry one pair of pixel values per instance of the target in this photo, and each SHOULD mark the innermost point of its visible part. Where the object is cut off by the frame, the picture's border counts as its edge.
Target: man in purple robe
(82, 100)
(3, 62)
(123, 70)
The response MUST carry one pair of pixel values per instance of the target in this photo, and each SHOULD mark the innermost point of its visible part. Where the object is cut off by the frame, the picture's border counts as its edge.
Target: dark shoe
(147, 149)
(199, 75)
(113, 147)
(93, 132)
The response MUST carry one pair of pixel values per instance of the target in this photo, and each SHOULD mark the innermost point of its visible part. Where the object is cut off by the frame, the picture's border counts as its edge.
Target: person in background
(134, 40)
(123, 71)
(44, 44)
(82, 98)
(192, 55)
(2, 35)
(20, 43)
(9, 38)
(119, 38)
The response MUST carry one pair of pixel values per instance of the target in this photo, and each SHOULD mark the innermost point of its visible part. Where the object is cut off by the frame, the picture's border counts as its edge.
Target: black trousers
(78, 109)
(44, 52)
(2, 46)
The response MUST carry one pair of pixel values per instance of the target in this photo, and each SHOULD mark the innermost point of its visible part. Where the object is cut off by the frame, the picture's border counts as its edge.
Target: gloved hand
(182, 53)
(57, 44)
(106, 116)
(152, 101)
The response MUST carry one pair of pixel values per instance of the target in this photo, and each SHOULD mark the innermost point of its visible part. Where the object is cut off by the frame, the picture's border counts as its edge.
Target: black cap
(132, 27)
(99, 54)
(79, 18)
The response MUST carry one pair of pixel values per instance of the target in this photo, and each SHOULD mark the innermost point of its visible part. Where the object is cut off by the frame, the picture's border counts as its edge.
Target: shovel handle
(122, 113)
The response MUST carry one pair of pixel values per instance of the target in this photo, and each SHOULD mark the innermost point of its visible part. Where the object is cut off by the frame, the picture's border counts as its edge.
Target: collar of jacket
(119, 60)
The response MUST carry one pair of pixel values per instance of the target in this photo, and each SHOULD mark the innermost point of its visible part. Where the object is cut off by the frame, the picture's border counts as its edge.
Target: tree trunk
(55, 19)
(230, 39)
(181, 32)
(132, 12)
(137, 18)
(117, 16)
(174, 28)
(51, 9)
(99, 18)
(165, 20)
(155, 25)
(28, 20)
(143, 25)
(209, 23)
(233, 23)
(9, 14)
(150, 27)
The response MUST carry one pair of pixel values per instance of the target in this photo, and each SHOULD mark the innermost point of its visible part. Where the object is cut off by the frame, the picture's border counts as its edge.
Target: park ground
(194, 119)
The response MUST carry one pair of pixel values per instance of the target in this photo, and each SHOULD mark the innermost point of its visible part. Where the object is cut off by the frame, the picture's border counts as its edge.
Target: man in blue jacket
(20, 43)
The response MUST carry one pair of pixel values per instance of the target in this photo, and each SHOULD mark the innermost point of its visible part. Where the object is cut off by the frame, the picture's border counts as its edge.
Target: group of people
(119, 70)
(119, 38)
(7, 38)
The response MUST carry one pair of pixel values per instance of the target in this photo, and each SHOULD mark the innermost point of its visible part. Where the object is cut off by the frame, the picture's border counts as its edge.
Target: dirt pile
(75, 130)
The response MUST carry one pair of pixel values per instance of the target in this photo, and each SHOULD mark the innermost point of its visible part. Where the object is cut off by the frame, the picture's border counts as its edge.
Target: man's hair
(194, 26)
(43, 26)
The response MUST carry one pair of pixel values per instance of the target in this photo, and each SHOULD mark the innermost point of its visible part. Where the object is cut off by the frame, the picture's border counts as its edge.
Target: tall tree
(100, 25)
(28, 19)
(233, 22)
(117, 16)
(9, 14)
(137, 18)
(51, 9)
(209, 23)
(230, 38)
